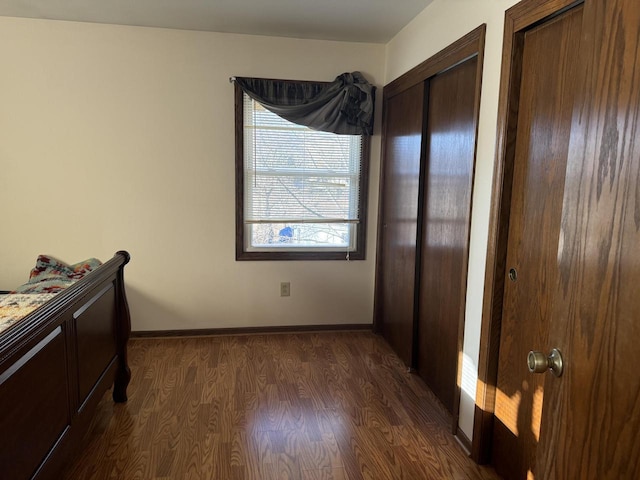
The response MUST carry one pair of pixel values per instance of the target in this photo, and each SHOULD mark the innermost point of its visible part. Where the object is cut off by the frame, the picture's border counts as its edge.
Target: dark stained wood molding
(365, 155)
(239, 167)
(463, 440)
(521, 17)
(251, 330)
(459, 51)
(465, 256)
(363, 201)
(469, 46)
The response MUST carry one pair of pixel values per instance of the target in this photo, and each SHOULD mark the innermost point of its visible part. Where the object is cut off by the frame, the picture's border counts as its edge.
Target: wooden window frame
(361, 226)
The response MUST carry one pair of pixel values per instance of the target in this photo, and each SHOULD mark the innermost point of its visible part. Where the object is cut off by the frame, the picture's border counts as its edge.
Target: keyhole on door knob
(513, 275)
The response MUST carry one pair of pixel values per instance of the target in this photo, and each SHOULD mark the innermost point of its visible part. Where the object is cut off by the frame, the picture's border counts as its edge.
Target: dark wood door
(548, 80)
(403, 122)
(446, 213)
(591, 417)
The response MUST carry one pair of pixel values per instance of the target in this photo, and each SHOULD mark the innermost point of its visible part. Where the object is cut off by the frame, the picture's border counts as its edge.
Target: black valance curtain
(344, 106)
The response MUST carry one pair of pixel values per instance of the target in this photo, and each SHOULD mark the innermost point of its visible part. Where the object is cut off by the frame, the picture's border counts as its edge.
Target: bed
(56, 363)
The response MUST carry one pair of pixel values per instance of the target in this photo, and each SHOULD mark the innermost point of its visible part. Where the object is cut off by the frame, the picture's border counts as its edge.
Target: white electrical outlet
(285, 289)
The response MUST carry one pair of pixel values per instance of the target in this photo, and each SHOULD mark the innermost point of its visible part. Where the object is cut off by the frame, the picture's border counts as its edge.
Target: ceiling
(374, 21)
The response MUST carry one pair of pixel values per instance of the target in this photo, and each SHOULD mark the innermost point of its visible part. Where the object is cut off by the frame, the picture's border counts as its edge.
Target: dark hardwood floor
(283, 406)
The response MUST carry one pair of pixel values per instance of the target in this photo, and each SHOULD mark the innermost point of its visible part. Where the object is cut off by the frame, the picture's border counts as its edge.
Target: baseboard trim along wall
(250, 330)
(464, 441)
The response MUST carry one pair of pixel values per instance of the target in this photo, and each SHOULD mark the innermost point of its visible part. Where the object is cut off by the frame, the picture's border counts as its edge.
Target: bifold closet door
(395, 285)
(446, 215)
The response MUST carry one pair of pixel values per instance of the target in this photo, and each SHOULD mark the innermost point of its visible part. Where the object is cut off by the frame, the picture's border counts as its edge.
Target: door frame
(469, 46)
(518, 19)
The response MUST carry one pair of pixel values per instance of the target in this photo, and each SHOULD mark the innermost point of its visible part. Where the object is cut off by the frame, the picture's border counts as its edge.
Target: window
(300, 193)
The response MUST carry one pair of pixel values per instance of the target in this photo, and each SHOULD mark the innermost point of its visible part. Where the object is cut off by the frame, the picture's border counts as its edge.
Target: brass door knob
(538, 362)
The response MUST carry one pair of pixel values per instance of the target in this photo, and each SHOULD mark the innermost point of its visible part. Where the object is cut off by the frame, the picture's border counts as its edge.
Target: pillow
(48, 267)
(51, 275)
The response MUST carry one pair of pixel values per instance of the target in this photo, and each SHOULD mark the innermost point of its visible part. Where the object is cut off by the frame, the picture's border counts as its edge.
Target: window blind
(298, 179)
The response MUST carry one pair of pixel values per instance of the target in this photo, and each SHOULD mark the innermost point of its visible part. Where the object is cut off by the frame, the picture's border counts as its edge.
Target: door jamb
(518, 19)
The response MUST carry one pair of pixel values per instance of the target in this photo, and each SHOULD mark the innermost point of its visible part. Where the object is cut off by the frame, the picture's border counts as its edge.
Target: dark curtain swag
(344, 106)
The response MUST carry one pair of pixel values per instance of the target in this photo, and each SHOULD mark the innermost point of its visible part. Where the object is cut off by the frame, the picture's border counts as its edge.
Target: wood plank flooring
(334, 405)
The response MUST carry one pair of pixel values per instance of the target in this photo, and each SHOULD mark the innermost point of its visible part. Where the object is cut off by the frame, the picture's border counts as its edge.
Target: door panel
(591, 418)
(446, 211)
(548, 80)
(401, 173)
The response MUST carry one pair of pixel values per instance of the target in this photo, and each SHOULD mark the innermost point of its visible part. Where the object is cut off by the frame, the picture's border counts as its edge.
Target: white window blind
(301, 186)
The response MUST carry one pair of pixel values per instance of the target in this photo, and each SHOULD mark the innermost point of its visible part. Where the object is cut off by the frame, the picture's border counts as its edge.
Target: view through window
(302, 187)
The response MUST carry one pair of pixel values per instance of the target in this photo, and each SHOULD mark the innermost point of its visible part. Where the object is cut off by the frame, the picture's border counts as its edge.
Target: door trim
(518, 19)
(469, 46)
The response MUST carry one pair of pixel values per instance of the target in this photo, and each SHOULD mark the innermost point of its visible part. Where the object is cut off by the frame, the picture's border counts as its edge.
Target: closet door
(569, 129)
(422, 216)
(446, 217)
(395, 280)
(545, 104)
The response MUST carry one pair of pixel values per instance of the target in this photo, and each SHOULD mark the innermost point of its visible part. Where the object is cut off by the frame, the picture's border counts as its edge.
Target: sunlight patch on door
(536, 414)
(507, 410)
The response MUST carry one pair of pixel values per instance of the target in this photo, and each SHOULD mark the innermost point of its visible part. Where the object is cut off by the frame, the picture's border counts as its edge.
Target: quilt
(49, 277)
(16, 306)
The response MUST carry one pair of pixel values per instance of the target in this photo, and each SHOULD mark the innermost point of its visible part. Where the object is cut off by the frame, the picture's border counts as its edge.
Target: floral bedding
(15, 306)
(49, 277)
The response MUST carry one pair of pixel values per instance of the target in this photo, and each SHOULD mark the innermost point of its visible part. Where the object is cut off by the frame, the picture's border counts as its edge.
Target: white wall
(436, 27)
(117, 137)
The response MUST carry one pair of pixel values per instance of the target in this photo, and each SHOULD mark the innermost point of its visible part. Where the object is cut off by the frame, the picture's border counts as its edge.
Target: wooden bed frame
(55, 366)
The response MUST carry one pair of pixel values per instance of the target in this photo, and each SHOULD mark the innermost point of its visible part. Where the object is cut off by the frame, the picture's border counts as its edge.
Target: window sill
(275, 256)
